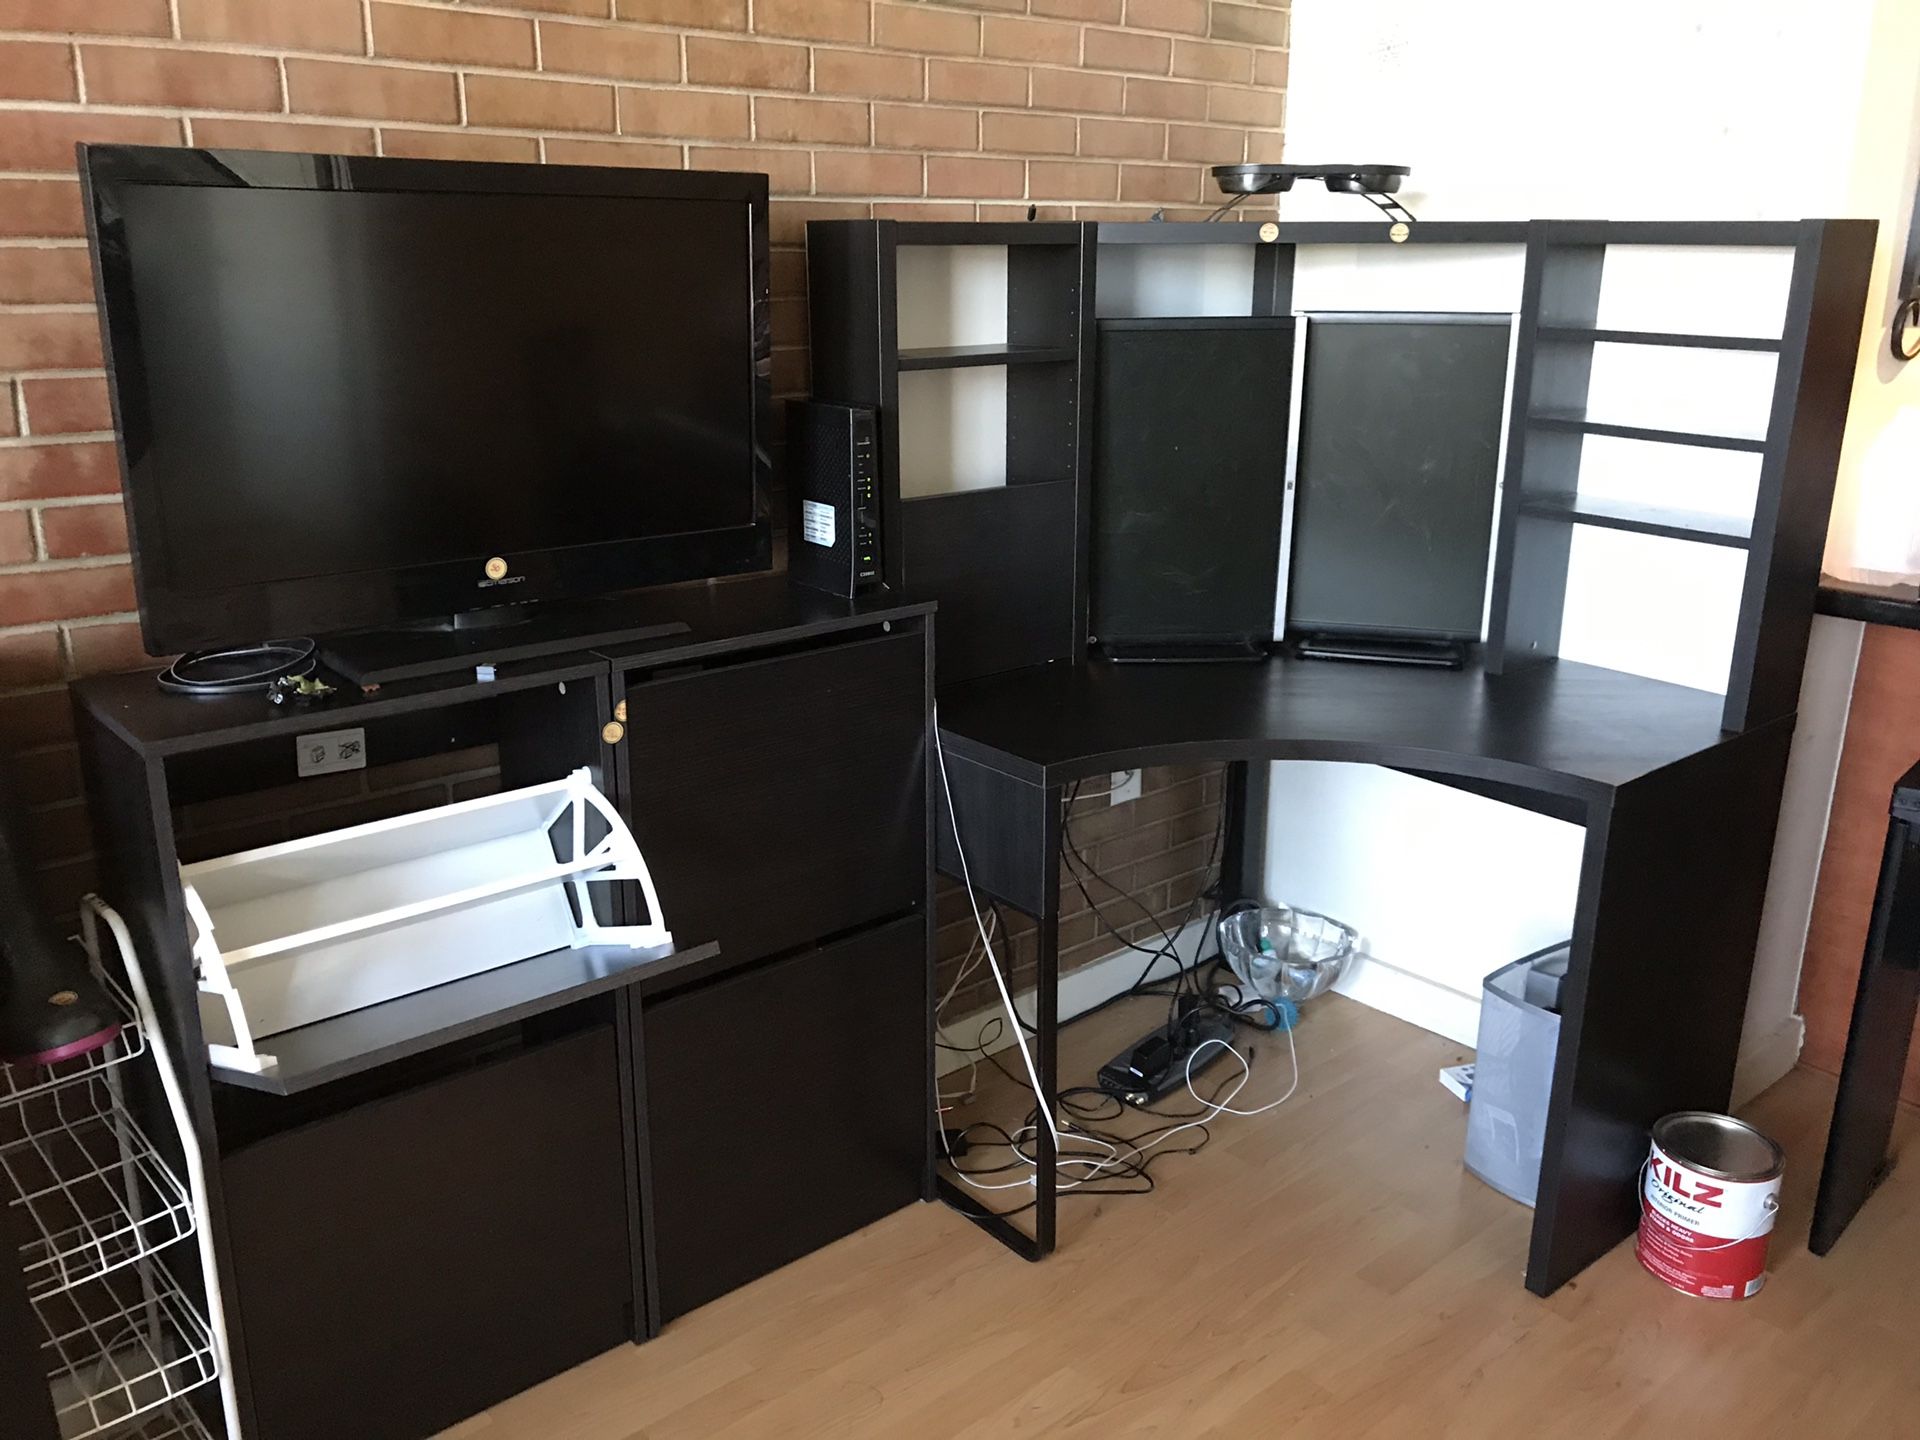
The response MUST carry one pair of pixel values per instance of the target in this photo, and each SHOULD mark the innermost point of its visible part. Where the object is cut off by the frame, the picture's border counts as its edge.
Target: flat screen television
(355, 393)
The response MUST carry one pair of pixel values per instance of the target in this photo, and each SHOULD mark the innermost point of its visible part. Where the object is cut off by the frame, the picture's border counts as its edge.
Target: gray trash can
(1513, 1072)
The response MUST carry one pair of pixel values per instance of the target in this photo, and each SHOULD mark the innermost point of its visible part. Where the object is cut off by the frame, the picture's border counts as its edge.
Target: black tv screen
(345, 386)
(1396, 473)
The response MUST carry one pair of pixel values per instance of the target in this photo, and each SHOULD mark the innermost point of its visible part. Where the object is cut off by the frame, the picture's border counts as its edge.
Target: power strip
(1156, 1065)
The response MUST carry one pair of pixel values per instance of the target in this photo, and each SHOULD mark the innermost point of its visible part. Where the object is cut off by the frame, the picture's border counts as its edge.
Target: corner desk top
(1561, 728)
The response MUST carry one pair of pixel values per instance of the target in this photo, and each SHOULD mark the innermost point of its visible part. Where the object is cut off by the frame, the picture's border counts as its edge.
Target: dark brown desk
(1679, 817)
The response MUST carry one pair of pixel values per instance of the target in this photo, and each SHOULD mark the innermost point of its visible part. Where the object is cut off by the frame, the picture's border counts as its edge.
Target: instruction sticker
(326, 751)
(816, 523)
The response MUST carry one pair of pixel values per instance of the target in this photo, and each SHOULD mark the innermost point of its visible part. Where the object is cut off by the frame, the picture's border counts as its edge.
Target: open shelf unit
(1008, 560)
(989, 542)
(1001, 560)
(1783, 529)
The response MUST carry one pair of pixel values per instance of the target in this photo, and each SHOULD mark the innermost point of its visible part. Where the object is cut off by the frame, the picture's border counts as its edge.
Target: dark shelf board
(955, 357)
(1759, 234)
(977, 232)
(980, 494)
(381, 1034)
(1582, 425)
(1246, 231)
(1657, 337)
(1643, 520)
(1875, 604)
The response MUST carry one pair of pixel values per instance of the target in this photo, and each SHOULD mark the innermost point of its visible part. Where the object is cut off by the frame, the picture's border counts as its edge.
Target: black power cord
(240, 670)
(1086, 1109)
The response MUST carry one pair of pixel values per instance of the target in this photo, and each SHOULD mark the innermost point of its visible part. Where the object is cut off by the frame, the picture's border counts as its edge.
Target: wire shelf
(96, 1191)
(174, 1421)
(20, 1083)
(120, 1351)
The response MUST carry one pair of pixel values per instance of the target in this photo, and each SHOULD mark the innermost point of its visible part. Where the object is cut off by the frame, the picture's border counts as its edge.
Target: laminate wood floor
(1324, 1270)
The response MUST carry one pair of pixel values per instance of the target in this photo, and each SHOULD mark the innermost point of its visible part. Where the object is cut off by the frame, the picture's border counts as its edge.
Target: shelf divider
(956, 357)
(1578, 333)
(1641, 519)
(1578, 423)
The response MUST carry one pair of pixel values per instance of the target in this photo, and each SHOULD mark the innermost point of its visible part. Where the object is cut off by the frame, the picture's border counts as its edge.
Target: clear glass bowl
(1285, 954)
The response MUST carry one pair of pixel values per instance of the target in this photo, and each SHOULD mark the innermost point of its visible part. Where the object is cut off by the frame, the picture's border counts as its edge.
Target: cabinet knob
(613, 732)
(620, 712)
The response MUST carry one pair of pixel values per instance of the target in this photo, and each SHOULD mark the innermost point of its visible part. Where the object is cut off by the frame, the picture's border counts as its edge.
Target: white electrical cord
(999, 978)
(1246, 1074)
(969, 963)
(1114, 1157)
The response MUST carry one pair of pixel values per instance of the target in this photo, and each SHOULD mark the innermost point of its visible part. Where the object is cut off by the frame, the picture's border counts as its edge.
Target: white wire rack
(25, 1082)
(170, 1422)
(123, 1348)
(123, 1341)
(95, 1190)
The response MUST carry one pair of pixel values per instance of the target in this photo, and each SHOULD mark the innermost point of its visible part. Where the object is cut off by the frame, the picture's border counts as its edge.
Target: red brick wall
(854, 107)
(1159, 850)
(1883, 741)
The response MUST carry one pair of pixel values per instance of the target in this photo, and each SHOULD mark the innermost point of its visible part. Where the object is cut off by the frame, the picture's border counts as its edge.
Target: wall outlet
(326, 751)
(1122, 786)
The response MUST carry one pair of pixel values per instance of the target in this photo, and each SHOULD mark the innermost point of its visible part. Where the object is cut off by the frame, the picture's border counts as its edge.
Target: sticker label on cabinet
(326, 751)
(816, 523)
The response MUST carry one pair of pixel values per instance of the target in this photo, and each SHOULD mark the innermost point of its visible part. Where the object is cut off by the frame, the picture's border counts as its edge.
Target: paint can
(1708, 1197)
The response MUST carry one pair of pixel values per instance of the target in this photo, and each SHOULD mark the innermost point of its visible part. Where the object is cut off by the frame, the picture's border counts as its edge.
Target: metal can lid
(1719, 1145)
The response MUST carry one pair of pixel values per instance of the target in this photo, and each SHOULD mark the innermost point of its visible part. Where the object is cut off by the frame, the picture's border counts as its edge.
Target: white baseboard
(1765, 1059)
(1413, 998)
(1080, 991)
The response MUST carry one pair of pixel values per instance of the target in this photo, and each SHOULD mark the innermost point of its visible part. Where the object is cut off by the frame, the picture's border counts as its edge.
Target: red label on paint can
(1709, 1195)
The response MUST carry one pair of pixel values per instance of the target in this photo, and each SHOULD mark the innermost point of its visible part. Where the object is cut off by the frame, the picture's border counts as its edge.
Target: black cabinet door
(408, 1262)
(782, 801)
(787, 1106)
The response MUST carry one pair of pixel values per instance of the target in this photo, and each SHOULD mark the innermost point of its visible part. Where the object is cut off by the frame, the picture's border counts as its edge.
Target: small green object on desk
(300, 689)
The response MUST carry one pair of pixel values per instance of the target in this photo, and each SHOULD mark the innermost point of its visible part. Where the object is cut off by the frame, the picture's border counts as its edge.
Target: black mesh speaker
(1189, 481)
(833, 498)
(1398, 464)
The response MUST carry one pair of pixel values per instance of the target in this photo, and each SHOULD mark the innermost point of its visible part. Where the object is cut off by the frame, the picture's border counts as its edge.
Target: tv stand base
(381, 657)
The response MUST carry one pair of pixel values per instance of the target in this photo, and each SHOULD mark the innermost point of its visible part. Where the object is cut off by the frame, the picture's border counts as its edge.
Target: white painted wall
(1657, 109)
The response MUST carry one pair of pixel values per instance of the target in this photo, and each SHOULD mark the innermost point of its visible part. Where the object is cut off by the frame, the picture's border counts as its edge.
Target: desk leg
(1671, 887)
(1243, 857)
(1012, 832)
(1046, 1059)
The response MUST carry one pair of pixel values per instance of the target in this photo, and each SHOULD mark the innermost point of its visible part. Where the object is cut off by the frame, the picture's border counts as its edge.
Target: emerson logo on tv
(496, 574)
